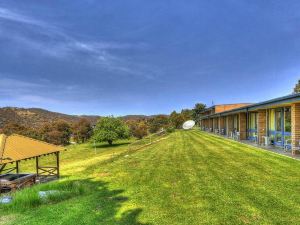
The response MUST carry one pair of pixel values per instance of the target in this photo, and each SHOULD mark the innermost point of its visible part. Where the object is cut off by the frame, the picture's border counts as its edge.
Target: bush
(157, 123)
(170, 129)
(138, 129)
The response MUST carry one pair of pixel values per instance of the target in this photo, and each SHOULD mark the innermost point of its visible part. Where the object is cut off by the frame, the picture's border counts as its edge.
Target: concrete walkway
(274, 149)
(271, 148)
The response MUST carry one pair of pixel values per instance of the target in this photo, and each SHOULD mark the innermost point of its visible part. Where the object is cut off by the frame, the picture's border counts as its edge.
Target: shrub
(170, 129)
(138, 129)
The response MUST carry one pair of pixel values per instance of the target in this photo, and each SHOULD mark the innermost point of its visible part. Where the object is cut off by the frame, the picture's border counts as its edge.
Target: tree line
(107, 129)
(58, 132)
(110, 129)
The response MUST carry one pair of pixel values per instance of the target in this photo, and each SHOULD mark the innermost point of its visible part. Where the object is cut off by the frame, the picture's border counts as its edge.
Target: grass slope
(189, 178)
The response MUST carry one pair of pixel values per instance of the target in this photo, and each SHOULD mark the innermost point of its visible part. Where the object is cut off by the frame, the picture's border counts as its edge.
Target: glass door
(236, 123)
(287, 126)
(225, 125)
(252, 126)
(271, 125)
(279, 134)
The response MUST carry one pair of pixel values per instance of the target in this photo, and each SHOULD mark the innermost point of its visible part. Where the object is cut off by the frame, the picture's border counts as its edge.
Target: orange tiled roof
(16, 147)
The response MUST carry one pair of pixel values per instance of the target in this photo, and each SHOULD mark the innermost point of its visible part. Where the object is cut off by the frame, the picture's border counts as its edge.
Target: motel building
(274, 123)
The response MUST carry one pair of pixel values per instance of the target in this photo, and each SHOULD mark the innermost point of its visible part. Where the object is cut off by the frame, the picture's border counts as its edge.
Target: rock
(5, 199)
(45, 194)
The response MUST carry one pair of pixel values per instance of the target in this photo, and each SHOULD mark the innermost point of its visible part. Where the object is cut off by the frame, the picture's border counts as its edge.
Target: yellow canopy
(16, 147)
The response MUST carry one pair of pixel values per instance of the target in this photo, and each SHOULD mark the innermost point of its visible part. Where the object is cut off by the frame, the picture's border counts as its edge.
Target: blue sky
(146, 57)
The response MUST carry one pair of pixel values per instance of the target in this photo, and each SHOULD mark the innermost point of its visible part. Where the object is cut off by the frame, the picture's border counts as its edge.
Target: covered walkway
(273, 124)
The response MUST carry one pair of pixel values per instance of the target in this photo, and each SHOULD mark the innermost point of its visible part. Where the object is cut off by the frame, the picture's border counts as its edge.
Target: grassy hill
(189, 178)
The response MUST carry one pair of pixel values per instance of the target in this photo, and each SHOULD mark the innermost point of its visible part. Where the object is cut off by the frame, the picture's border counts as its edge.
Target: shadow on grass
(92, 202)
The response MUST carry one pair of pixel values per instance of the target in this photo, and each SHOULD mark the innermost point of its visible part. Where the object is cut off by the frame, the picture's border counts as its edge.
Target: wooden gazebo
(15, 148)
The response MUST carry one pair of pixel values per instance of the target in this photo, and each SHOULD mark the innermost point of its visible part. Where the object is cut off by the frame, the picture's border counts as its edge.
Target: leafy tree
(138, 129)
(82, 130)
(57, 132)
(198, 108)
(187, 114)
(158, 122)
(110, 129)
(297, 87)
(176, 119)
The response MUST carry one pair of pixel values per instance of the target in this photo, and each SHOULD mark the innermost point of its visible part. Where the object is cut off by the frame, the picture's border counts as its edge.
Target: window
(271, 125)
(236, 122)
(278, 120)
(272, 119)
(253, 121)
(278, 138)
(287, 120)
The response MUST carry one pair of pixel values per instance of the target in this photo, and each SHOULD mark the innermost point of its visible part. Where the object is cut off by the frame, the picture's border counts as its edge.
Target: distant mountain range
(35, 117)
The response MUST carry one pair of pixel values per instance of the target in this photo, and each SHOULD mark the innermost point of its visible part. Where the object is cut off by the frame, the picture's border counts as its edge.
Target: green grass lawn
(189, 178)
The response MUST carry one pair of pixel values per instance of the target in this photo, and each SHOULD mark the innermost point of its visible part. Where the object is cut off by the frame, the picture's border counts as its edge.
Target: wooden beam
(49, 167)
(8, 170)
(2, 167)
(48, 172)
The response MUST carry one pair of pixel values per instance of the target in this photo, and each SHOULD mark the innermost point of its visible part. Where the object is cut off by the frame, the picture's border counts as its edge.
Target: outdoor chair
(287, 145)
(237, 136)
(266, 140)
(255, 139)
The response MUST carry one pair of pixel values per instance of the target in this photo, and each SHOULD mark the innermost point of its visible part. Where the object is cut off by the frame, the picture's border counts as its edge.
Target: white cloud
(7, 14)
(34, 92)
(14, 87)
(60, 42)
(51, 41)
(37, 99)
(13, 84)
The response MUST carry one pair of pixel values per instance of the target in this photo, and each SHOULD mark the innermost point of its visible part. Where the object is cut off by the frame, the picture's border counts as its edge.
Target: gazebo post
(17, 167)
(37, 165)
(57, 163)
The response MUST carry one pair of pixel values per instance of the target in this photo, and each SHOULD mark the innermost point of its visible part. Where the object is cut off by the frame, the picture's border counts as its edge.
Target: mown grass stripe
(190, 178)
